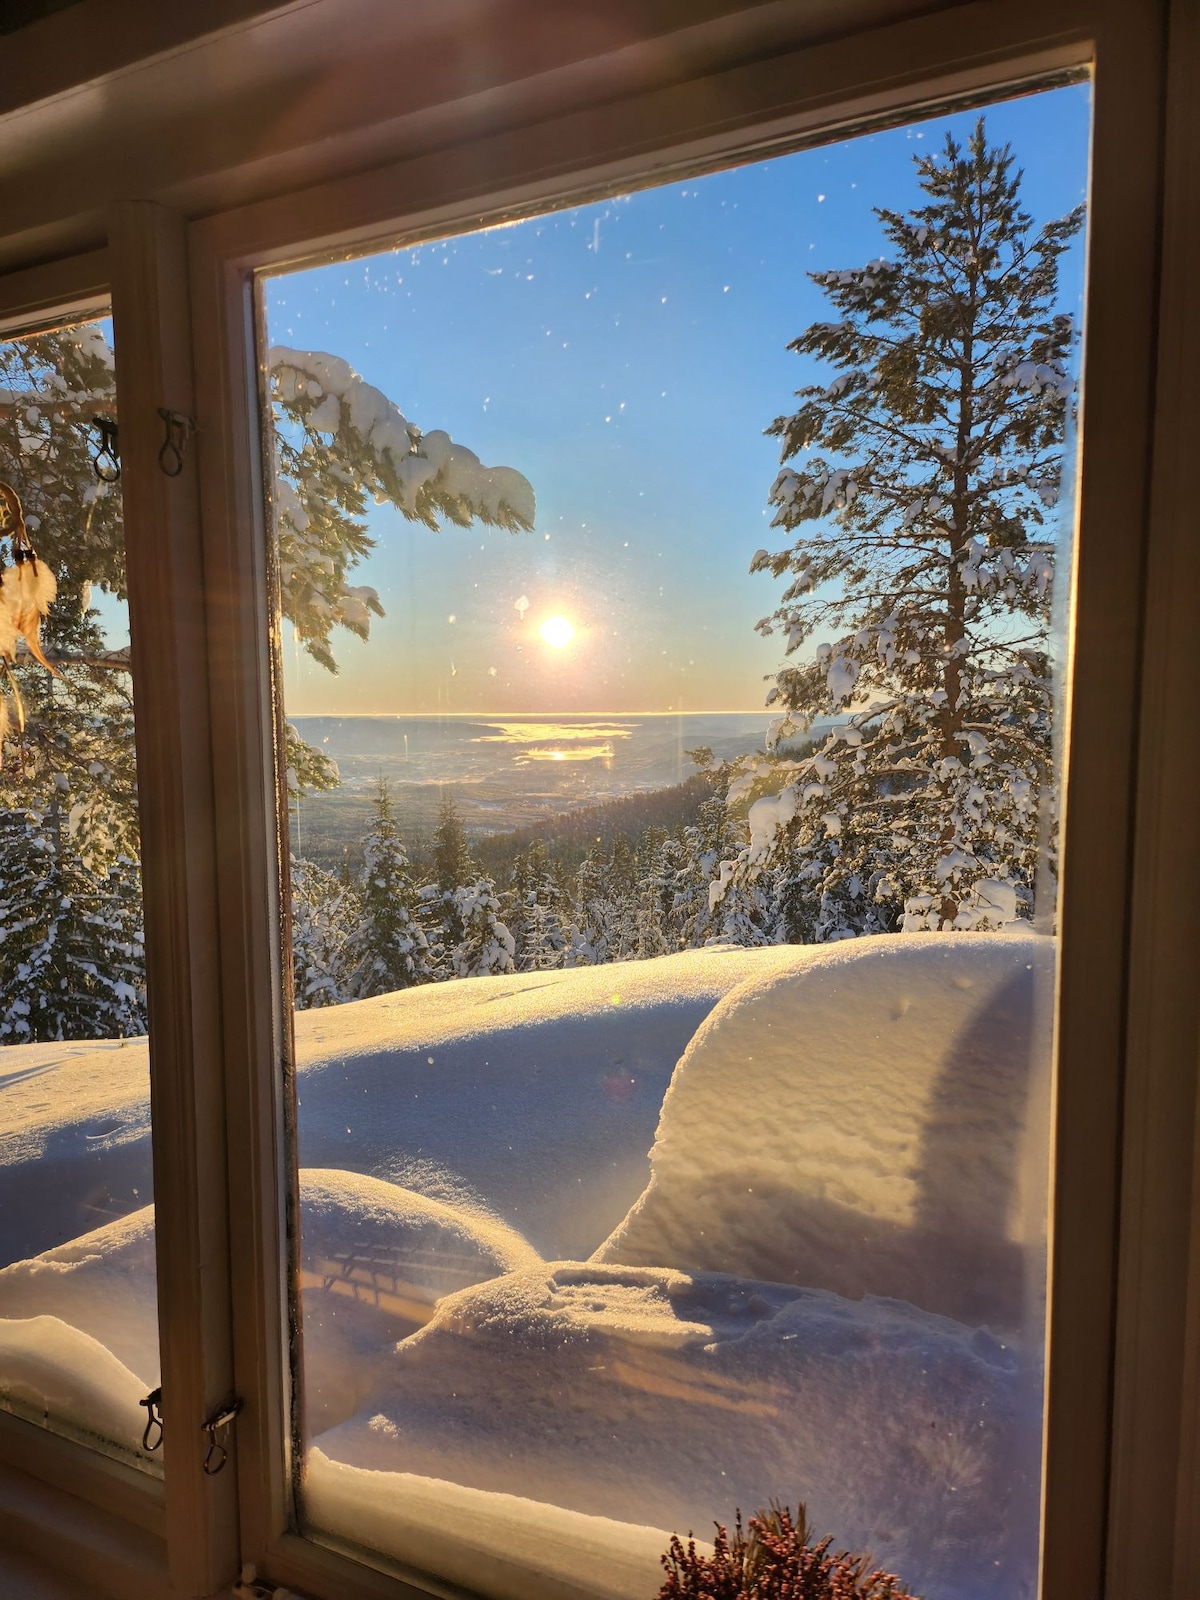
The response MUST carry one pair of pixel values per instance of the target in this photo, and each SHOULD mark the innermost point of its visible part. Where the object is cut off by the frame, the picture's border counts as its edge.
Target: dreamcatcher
(27, 588)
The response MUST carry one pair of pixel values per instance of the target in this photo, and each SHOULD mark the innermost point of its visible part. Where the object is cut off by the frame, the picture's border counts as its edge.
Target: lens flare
(557, 632)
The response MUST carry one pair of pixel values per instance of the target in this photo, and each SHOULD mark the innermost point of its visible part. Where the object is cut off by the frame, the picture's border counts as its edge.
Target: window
(78, 1318)
(339, 137)
(583, 900)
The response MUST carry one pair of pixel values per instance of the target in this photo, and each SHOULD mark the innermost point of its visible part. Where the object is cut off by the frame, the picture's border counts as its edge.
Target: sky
(625, 356)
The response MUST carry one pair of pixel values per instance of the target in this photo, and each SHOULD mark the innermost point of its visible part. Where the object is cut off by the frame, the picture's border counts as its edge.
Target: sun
(557, 631)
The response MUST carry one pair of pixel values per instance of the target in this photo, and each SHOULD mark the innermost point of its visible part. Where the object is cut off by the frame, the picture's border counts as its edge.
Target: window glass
(674, 594)
(78, 1318)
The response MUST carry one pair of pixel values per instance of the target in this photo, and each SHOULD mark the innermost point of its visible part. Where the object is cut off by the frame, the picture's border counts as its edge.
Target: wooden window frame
(1122, 1454)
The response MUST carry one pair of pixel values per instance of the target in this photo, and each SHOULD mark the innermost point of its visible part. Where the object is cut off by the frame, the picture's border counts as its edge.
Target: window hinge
(217, 1455)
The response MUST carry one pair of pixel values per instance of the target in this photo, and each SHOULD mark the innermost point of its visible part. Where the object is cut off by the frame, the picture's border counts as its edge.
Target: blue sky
(626, 357)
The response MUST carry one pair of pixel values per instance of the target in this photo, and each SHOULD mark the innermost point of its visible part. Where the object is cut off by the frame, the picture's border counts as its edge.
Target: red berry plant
(775, 1559)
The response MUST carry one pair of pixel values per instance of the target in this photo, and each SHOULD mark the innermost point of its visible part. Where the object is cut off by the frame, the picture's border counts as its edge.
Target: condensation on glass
(78, 1317)
(673, 596)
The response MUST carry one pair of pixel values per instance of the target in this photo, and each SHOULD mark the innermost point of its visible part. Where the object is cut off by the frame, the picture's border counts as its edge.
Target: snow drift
(642, 1395)
(374, 1260)
(872, 1122)
(533, 1096)
(787, 1299)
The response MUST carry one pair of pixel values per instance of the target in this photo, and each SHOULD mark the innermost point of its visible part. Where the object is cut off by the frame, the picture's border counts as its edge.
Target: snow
(49, 1369)
(103, 1284)
(542, 1093)
(766, 817)
(375, 1259)
(416, 459)
(874, 1122)
(652, 1396)
(824, 1282)
(490, 1542)
(539, 1091)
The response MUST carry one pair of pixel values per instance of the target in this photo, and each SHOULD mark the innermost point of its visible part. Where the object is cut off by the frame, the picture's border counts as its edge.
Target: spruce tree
(652, 900)
(326, 918)
(72, 961)
(390, 942)
(485, 946)
(452, 861)
(713, 839)
(920, 479)
(453, 869)
(534, 911)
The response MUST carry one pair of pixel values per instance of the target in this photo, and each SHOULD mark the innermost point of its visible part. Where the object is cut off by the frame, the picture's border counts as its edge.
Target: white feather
(8, 622)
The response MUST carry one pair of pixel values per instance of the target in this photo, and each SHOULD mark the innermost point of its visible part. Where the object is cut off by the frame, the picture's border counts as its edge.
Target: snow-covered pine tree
(533, 909)
(72, 961)
(80, 724)
(485, 946)
(453, 868)
(605, 909)
(339, 441)
(710, 841)
(923, 567)
(326, 916)
(389, 941)
(655, 893)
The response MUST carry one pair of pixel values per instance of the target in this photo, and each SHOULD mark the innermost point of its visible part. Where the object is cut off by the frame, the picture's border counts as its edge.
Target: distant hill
(333, 826)
(568, 836)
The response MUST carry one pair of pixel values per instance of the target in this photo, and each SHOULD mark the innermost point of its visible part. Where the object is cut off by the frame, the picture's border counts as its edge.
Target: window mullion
(178, 820)
(239, 662)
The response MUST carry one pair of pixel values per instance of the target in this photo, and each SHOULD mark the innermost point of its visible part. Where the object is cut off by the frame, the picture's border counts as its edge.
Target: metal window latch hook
(106, 463)
(178, 429)
(217, 1454)
(154, 1420)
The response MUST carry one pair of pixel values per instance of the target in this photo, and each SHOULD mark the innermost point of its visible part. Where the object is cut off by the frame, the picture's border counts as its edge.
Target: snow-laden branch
(329, 397)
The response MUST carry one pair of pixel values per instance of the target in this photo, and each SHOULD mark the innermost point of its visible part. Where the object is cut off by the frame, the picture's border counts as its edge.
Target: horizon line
(514, 716)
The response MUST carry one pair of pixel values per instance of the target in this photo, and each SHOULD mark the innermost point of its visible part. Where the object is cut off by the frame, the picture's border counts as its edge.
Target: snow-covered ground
(531, 1352)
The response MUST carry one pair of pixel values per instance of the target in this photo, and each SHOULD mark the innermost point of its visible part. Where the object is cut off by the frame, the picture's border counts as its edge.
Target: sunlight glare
(557, 631)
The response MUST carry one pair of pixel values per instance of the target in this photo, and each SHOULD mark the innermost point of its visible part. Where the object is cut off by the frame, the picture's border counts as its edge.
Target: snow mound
(103, 1285)
(647, 1396)
(74, 1140)
(497, 1543)
(539, 1090)
(375, 1259)
(872, 1121)
(51, 1372)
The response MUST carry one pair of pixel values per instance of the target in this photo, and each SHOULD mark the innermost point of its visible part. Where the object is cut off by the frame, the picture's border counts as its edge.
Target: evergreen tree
(485, 946)
(392, 948)
(453, 869)
(452, 861)
(326, 917)
(534, 911)
(652, 902)
(604, 915)
(338, 442)
(711, 840)
(72, 962)
(80, 723)
(923, 565)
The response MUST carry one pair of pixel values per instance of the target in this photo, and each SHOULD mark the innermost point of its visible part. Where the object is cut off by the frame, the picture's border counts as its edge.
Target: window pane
(674, 594)
(78, 1318)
